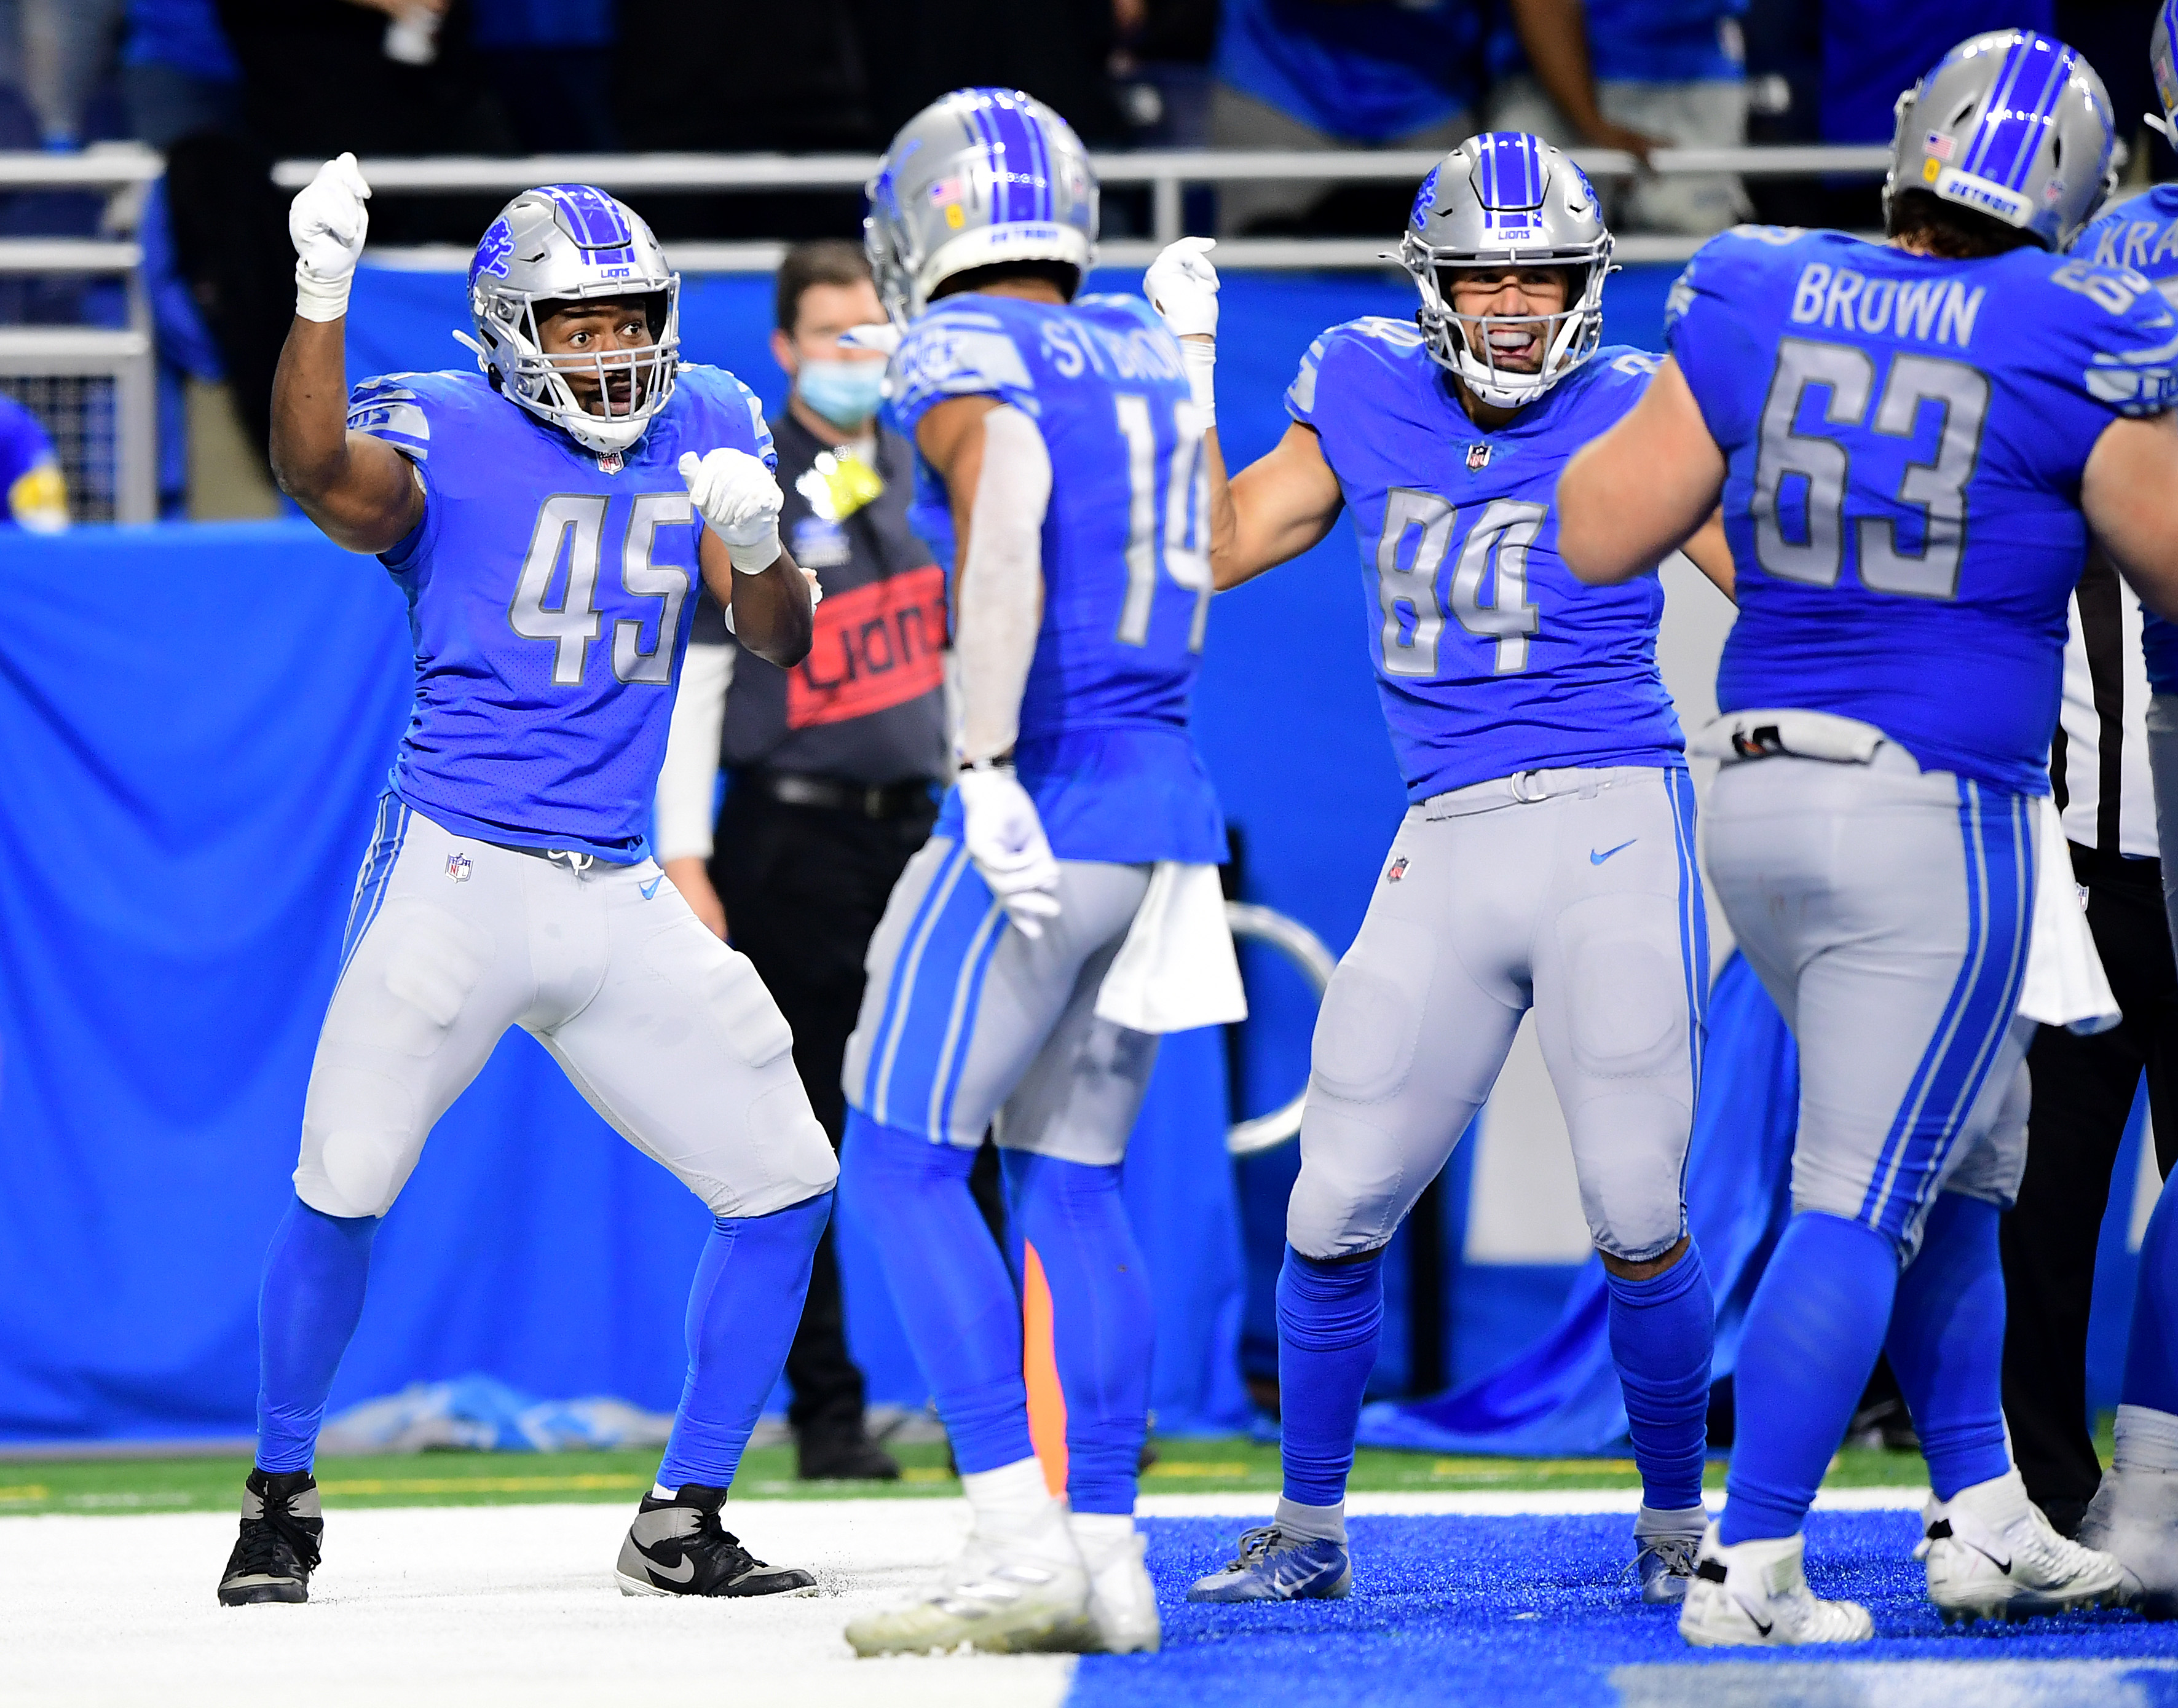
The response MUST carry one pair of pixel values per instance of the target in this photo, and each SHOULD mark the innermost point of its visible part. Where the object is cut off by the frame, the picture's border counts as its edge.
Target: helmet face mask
(553, 247)
(979, 178)
(1506, 202)
(2013, 125)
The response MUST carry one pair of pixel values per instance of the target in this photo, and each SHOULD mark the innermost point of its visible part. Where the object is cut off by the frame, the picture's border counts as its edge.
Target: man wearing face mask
(830, 765)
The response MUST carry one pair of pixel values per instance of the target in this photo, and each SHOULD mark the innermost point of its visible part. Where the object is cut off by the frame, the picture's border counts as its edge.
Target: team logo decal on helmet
(980, 177)
(572, 242)
(1507, 199)
(2013, 124)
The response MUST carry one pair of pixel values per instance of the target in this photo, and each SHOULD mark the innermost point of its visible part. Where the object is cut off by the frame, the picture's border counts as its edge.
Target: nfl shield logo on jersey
(457, 867)
(1477, 456)
(611, 461)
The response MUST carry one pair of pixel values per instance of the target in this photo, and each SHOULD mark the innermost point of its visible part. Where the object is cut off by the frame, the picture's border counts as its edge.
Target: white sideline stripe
(1892, 1684)
(1494, 1502)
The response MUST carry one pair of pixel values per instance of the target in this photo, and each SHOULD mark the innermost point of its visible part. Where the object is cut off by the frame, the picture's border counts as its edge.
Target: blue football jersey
(1490, 659)
(1904, 437)
(550, 601)
(1104, 747)
(2142, 234)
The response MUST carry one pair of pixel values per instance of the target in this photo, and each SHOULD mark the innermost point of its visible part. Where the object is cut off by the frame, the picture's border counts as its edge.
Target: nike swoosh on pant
(1597, 859)
(650, 889)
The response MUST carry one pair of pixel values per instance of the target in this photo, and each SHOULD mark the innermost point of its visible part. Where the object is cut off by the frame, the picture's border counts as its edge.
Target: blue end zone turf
(1544, 1612)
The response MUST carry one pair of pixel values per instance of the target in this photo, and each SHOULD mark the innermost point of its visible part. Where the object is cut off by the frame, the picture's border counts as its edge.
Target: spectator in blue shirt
(550, 64)
(178, 74)
(32, 494)
(1371, 73)
(1672, 71)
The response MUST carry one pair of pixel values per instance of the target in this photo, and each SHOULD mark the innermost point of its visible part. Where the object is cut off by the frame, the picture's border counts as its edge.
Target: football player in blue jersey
(2134, 1513)
(1547, 859)
(1912, 440)
(1061, 474)
(541, 515)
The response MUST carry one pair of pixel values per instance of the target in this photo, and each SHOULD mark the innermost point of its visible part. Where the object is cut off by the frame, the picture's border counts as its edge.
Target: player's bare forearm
(773, 616)
(1710, 553)
(359, 489)
(1643, 488)
(1554, 33)
(1275, 509)
(2124, 493)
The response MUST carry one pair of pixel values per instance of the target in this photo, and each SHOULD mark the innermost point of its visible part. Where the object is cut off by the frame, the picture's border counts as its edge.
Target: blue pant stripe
(372, 881)
(927, 1000)
(884, 1049)
(960, 1024)
(1977, 1014)
(1694, 919)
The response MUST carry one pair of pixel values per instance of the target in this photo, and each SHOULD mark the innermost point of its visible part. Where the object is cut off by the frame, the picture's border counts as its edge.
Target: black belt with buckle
(881, 800)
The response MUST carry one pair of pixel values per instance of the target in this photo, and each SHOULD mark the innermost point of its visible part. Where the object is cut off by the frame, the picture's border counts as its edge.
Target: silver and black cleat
(282, 1527)
(680, 1547)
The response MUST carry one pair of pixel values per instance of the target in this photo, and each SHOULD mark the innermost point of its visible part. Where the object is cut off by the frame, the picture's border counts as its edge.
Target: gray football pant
(1887, 911)
(668, 1033)
(966, 1023)
(1573, 891)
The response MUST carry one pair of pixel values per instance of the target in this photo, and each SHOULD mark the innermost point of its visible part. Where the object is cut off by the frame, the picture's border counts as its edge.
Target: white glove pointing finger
(1182, 286)
(738, 501)
(327, 222)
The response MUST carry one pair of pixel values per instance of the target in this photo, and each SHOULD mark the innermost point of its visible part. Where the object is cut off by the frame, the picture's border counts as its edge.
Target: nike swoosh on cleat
(684, 1574)
(650, 889)
(1597, 859)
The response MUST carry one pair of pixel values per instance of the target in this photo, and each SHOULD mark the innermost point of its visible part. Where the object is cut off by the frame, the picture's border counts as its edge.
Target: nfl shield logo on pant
(457, 867)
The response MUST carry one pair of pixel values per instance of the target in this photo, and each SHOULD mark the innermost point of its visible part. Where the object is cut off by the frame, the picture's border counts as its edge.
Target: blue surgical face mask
(846, 394)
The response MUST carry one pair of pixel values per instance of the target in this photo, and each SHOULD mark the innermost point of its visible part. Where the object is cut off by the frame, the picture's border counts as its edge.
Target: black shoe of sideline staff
(283, 1526)
(845, 1456)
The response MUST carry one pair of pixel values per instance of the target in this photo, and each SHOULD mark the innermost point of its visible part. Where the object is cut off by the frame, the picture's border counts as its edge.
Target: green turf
(1216, 1466)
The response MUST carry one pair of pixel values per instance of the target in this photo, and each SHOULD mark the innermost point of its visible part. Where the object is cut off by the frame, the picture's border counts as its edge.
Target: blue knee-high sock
(308, 1306)
(1946, 1345)
(1330, 1318)
(1661, 1332)
(743, 1309)
(1813, 1330)
(949, 1283)
(1102, 1326)
(2150, 1357)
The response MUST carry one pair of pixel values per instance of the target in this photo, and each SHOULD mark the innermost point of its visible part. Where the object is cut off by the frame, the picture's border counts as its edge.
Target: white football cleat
(1020, 1594)
(1123, 1612)
(2134, 1519)
(1991, 1555)
(1755, 1595)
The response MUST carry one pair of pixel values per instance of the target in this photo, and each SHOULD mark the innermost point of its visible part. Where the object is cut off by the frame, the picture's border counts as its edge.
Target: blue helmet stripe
(1997, 106)
(2034, 124)
(1016, 157)
(595, 219)
(1531, 172)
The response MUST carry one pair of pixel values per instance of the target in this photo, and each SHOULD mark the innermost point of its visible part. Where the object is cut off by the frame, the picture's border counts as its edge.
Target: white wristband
(754, 560)
(317, 300)
(1199, 357)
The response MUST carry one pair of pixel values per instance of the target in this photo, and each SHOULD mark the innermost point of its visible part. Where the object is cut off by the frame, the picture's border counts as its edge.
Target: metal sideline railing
(1253, 922)
(1166, 173)
(71, 358)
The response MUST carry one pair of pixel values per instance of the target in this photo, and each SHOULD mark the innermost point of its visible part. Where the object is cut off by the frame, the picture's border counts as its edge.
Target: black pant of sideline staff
(2083, 1092)
(804, 866)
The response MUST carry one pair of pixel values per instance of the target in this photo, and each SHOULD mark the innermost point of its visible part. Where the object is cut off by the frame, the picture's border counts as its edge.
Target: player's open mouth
(1516, 347)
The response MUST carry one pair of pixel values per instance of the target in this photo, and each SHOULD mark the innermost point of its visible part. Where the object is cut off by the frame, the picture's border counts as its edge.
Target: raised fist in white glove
(1182, 286)
(738, 501)
(326, 222)
(1005, 838)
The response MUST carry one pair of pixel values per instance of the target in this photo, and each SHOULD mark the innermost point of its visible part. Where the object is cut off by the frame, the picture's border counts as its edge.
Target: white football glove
(326, 222)
(738, 501)
(1182, 286)
(1005, 838)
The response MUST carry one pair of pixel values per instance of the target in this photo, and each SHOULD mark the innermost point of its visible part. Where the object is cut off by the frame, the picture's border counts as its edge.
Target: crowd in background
(224, 88)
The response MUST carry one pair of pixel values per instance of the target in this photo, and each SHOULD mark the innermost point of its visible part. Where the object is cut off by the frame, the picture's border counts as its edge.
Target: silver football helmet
(978, 177)
(571, 242)
(2163, 60)
(2013, 124)
(1505, 199)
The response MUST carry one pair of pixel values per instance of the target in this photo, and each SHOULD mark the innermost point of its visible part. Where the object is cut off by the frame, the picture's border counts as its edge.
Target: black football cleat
(679, 1547)
(283, 1526)
(844, 1455)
